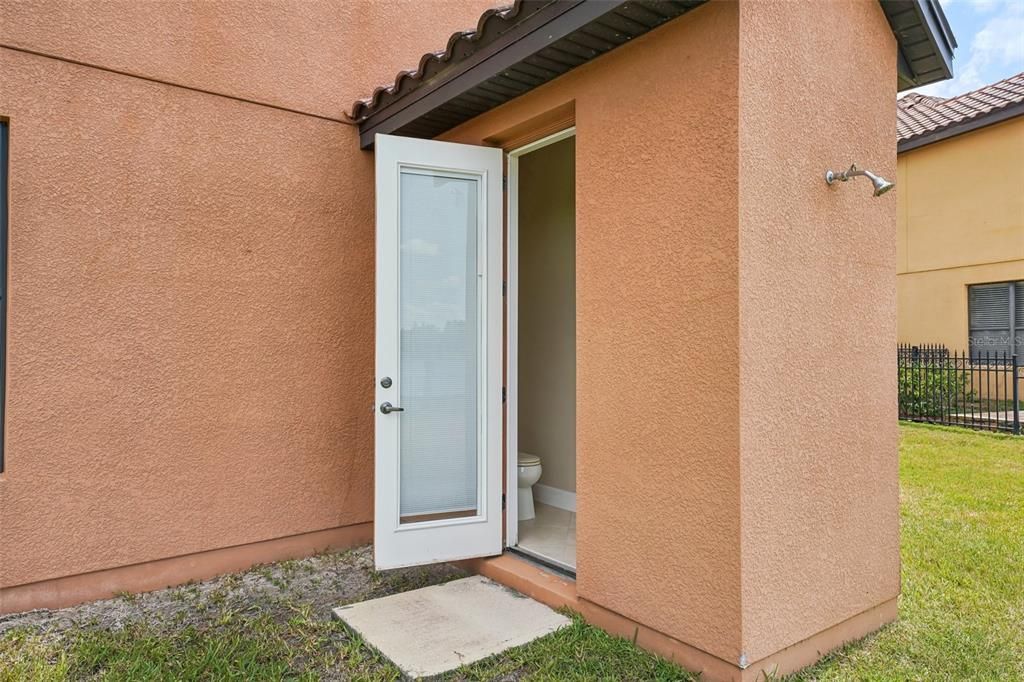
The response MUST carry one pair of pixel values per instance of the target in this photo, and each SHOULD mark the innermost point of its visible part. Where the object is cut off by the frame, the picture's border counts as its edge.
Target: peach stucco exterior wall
(818, 436)
(191, 297)
(315, 57)
(190, 339)
(719, 282)
(656, 311)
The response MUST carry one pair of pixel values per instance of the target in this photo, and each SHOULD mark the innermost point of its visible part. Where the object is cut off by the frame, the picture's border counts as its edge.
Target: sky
(990, 34)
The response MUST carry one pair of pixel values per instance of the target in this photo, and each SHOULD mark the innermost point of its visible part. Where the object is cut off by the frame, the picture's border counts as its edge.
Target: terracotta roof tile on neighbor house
(921, 119)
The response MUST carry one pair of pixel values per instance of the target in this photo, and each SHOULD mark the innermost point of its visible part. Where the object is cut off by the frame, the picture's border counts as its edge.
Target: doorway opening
(541, 371)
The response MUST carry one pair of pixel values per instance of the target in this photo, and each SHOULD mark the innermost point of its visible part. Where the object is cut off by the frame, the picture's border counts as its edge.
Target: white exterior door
(438, 383)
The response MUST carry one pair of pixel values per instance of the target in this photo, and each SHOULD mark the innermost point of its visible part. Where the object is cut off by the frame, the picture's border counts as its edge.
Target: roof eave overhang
(510, 54)
(924, 40)
(991, 118)
(537, 31)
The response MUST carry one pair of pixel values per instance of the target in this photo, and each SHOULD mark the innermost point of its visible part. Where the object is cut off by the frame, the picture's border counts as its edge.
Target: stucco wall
(961, 222)
(657, 313)
(818, 443)
(191, 306)
(547, 311)
(190, 349)
(313, 57)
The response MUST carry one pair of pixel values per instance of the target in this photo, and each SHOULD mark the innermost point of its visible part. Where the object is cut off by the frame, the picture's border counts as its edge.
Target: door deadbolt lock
(385, 382)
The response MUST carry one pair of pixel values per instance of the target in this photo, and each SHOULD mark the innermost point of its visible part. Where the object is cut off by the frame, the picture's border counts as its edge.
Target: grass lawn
(962, 607)
(961, 612)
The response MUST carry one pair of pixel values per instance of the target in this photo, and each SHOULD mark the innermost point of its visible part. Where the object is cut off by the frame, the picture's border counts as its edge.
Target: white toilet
(529, 473)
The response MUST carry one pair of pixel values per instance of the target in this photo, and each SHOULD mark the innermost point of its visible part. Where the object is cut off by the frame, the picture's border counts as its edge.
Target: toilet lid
(528, 460)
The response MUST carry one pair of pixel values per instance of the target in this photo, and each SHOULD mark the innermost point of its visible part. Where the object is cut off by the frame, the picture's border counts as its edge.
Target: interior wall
(547, 311)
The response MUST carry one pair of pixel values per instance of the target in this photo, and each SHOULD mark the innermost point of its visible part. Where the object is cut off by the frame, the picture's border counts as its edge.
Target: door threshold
(543, 561)
(524, 574)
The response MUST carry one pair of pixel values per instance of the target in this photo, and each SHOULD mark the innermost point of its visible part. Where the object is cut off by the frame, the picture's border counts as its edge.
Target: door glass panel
(440, 356)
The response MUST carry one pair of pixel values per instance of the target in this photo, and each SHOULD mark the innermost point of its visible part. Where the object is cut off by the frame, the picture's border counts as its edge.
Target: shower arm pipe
(880, 184)
(843, 176)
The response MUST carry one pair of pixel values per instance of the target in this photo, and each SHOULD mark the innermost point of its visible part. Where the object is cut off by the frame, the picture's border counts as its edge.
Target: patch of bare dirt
(316, 585)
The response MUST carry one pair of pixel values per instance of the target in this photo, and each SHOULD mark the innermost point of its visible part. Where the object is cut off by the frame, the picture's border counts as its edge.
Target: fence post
(1016, 398)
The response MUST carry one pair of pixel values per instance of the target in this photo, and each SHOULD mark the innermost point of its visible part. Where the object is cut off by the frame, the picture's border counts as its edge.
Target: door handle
(388, 408)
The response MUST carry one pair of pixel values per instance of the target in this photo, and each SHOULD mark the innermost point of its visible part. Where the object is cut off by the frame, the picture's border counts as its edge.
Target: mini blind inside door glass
(439, 311)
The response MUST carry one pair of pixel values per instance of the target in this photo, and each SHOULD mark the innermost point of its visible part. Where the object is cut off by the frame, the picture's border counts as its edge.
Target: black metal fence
(980, 390)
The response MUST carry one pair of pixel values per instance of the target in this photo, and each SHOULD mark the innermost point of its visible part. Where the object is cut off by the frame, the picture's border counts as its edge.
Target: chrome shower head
(881, 184)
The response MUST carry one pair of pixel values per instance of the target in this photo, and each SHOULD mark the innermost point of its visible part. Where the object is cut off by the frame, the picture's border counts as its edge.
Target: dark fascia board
(540, 29)
(939, 33)
(941, 41)
(991, 118)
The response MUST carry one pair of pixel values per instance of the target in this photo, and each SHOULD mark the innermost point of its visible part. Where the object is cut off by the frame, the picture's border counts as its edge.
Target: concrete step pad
(439, 628)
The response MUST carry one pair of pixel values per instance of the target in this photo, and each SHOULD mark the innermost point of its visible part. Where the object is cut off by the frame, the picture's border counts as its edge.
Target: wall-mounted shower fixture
(881, 184)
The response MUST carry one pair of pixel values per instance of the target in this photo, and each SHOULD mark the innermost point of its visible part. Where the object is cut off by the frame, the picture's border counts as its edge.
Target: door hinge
(504, 288)
(504, 394)
(504, 182)
(503, 500)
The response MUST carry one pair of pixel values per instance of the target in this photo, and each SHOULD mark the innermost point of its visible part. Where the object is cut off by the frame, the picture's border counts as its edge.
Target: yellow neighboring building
(960, 251)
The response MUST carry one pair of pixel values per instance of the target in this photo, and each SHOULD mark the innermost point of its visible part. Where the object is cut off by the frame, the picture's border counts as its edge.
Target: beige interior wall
(817, 405)
(547, 311)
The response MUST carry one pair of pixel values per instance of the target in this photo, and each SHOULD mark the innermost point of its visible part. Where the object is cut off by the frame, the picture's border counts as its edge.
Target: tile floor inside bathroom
(551, 534)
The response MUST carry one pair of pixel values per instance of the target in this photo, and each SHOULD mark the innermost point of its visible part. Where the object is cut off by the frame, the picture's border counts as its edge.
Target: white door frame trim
(512, 328)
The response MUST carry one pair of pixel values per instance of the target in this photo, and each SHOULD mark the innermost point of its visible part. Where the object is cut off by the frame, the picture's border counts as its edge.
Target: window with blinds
(996, 319)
